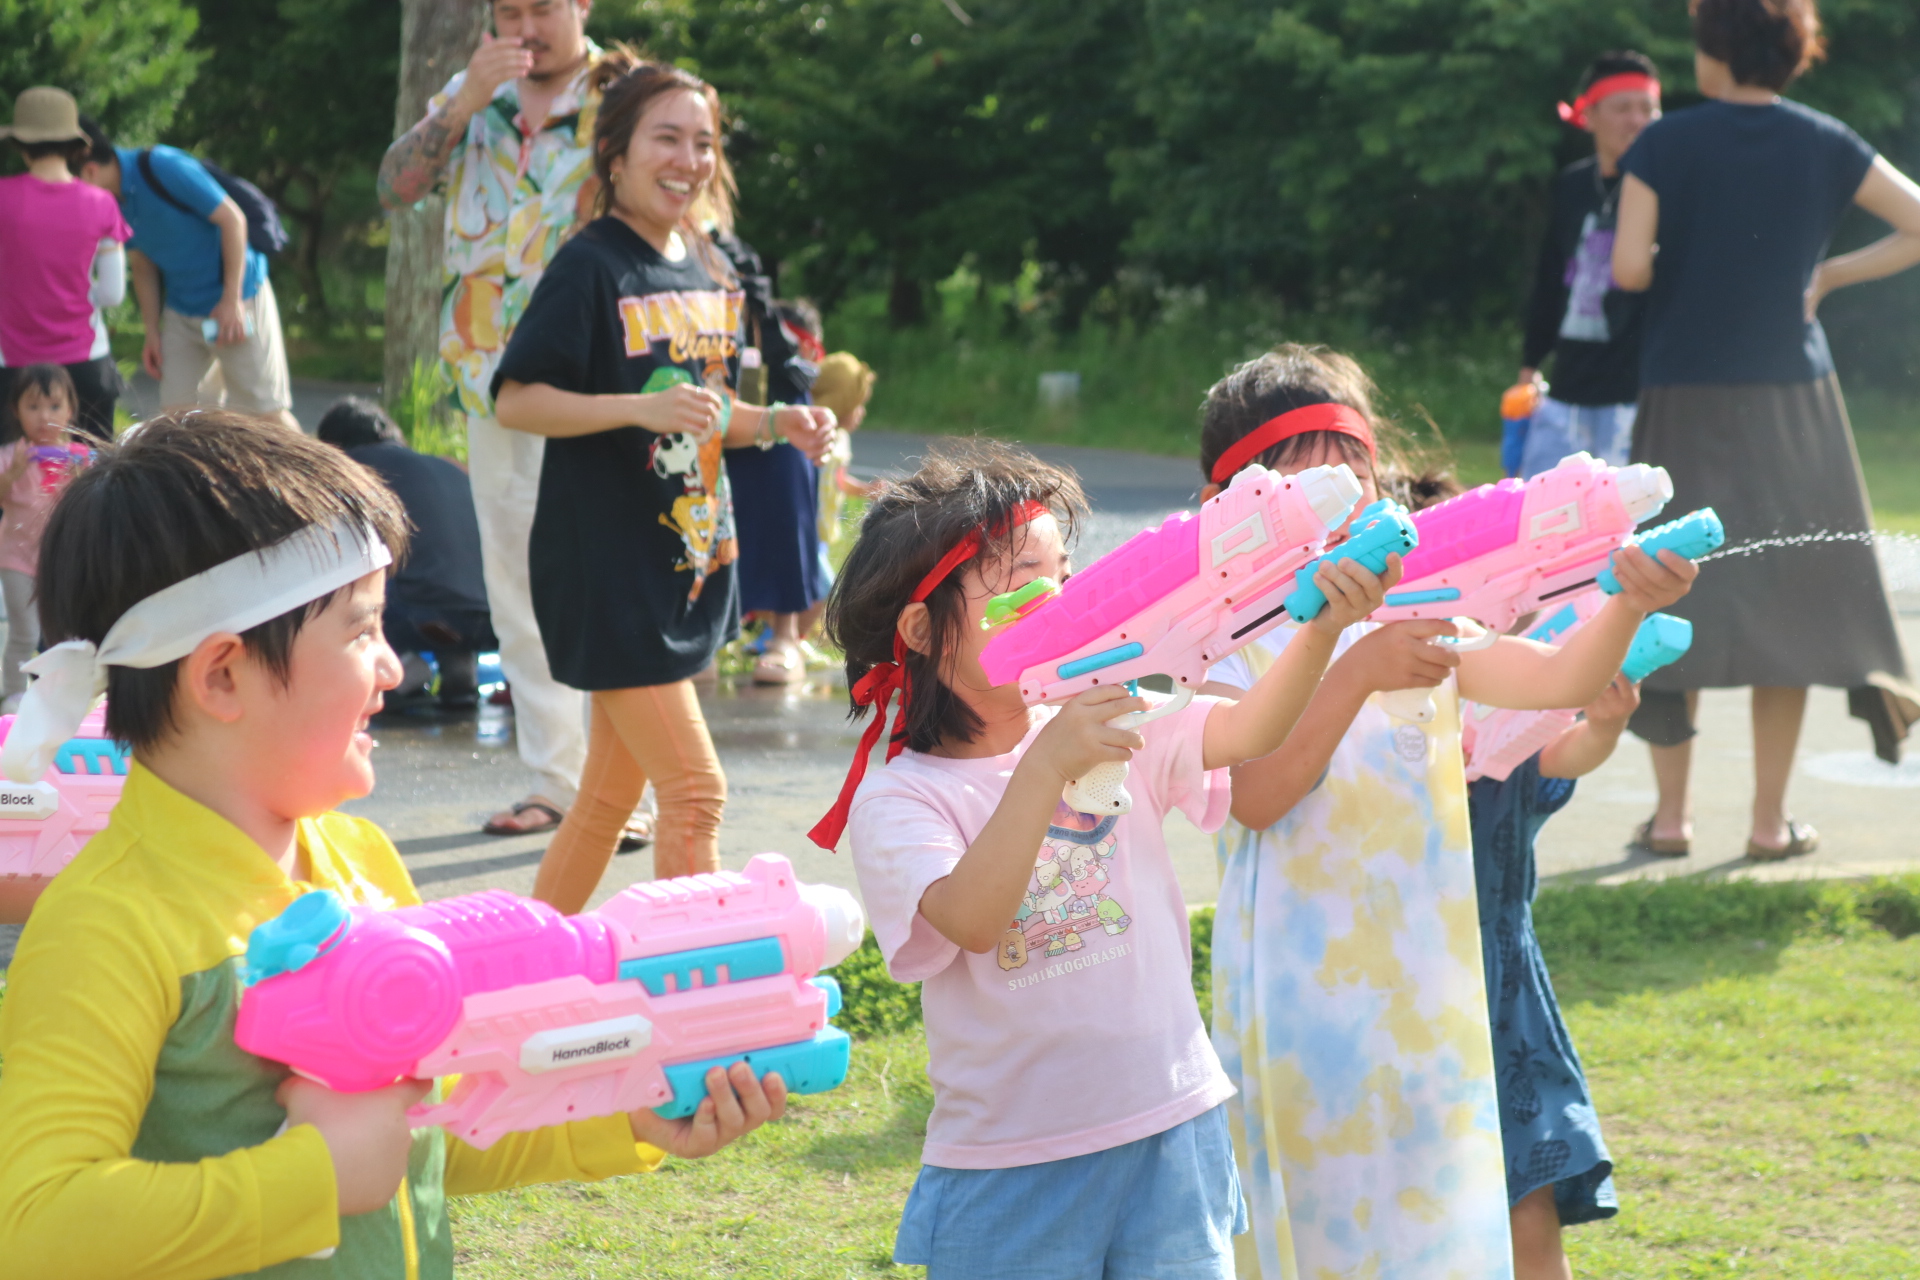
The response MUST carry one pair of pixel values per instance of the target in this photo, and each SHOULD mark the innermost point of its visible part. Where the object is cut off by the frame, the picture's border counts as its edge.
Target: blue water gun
(1661, 639)
(1691, 536)
(1378, 531)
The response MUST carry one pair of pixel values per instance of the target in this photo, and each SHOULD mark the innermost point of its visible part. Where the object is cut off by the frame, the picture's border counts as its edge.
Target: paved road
(785, 752)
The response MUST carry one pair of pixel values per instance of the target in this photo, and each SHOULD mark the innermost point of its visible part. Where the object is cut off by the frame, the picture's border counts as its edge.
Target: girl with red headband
(1077, 1127)
(1350, 1003)
(1575, 315)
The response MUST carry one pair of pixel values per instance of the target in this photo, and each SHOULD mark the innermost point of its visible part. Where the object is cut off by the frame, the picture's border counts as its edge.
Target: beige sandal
(1644, 842)
(780, 664)
(1801, 839)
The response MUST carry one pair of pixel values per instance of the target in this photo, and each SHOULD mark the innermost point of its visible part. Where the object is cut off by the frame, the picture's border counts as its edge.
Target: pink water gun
(44, 824)
(1497, 740)
(1503, 550)
(1172, 600)
(549, 1018)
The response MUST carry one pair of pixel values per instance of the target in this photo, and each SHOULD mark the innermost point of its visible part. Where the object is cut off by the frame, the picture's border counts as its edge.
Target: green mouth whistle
(1015, 605)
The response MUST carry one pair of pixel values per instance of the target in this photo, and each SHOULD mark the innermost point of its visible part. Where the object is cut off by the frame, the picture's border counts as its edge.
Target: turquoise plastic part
(1556, 626)
(1691, 536)
(807, 1066)
(97, 756)
(1381, 529)
(754, 958)
(832, 987)
(297, 936)
(1661, 639)
(1437, 595)
(1105, 658)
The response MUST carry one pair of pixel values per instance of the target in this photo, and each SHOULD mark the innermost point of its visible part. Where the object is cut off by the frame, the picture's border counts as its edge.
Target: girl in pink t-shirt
(38, 459)
(1077, 1127)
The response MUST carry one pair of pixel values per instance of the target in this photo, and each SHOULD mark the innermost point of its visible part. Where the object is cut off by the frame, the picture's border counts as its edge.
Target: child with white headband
(222, 580)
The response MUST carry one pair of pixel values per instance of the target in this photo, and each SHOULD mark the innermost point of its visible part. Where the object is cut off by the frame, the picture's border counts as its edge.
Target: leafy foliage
(128, 62)
(874, 1003)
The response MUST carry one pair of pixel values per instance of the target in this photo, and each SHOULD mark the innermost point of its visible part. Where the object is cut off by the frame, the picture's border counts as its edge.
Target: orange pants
(657, 732)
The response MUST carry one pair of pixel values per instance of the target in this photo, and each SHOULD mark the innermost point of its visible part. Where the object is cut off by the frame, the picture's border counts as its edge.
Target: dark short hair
(802, 314)
(1617, 62)
(72, 150)
(184, 493)
(1764, 42)
(963, 487)
(44, 378)
(99, 149)
(355, 421)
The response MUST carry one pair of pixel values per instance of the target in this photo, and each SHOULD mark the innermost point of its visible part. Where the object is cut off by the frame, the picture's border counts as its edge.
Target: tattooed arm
(419, 156)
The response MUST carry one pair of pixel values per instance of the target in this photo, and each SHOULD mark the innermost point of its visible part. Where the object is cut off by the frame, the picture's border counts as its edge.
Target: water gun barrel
(1381, 530)
(1692, 536)
(1661, 640)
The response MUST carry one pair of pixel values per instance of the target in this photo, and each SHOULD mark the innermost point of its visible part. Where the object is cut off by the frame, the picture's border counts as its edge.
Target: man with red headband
(1591, 329)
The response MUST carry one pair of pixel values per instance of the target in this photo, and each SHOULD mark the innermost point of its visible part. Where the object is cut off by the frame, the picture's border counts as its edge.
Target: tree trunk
(436, 39)
(906, 300)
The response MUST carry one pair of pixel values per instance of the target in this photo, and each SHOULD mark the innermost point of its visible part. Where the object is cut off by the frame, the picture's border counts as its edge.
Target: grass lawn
(1759, 1096)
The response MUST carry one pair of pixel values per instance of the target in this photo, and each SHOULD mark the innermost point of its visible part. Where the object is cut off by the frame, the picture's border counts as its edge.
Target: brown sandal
(1644, 842)
(1801, 838)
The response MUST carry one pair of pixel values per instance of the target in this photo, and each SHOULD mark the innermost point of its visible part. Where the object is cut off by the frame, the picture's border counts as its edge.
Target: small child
(1558, 1170)
(1077, 1127)
(222, 579)
(40, 456)
(1349, 1002)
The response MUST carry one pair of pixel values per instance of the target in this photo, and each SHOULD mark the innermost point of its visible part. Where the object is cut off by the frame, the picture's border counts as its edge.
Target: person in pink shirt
(61, 258)
(39, 456)
(1077, 1127)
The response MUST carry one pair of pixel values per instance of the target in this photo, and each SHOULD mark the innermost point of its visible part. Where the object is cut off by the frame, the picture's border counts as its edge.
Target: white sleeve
(109, 286)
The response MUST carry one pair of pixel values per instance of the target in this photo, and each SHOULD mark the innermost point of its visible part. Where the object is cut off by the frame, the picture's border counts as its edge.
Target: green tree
(297, 95)
(127, 61)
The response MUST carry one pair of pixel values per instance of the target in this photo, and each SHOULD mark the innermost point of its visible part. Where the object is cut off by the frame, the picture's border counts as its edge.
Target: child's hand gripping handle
(1691, 536)
(1103, 788)
(1416, 705)
(1380, 530)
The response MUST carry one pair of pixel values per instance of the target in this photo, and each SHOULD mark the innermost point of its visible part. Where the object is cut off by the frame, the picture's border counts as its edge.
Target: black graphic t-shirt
(633, 544)
(1575, 313)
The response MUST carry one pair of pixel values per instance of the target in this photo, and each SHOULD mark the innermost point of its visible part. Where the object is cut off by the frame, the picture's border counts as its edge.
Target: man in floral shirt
(511, 136)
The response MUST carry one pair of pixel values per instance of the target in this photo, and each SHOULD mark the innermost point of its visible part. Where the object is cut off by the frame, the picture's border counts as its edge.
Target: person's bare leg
(1777, 716)
(1537, 1253)
(1673, 776)
(811, 618)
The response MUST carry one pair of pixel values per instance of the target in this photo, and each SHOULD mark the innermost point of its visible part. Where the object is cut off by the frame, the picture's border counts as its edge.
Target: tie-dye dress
(1350, 1008)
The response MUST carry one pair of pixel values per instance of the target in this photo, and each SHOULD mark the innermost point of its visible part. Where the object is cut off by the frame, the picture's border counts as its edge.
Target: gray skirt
(1776, 460)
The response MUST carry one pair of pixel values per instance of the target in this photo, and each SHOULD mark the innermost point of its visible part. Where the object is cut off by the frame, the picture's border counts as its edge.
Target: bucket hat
(44, 114)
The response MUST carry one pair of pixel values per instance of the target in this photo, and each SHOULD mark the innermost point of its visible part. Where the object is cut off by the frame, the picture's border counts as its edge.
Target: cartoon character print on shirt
(1067, 897)
(697, 327)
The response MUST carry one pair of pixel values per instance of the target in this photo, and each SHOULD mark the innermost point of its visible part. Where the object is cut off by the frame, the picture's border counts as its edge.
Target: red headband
(1606, 86)
(1337, 418)
(876, 688)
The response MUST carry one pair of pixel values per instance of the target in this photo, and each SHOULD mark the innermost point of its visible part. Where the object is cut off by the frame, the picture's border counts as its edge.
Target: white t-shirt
(1080, 1033)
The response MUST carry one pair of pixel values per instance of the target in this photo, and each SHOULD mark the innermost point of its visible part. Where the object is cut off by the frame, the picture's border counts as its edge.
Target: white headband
(234, 595)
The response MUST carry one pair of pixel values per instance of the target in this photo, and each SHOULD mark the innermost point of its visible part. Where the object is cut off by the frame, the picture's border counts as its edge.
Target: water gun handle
(1691, 536)
(1381, 530)
(1662, 639)
(1416, 705)
(1103, 789)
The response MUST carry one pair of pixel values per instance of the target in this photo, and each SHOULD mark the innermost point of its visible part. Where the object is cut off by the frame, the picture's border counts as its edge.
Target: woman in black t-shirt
(626, 360)
(1739, 402)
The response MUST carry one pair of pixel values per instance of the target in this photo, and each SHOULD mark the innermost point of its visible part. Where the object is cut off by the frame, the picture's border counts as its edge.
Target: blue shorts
(1560, 429)
(1165, 1207)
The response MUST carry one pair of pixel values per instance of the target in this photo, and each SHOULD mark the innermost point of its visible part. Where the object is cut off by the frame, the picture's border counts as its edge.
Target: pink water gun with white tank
(1501, 551)
(44, 824)
(549, 1018)
(1170, 601)
(1498, 740)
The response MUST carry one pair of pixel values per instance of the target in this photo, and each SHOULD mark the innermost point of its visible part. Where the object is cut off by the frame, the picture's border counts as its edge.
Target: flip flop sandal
(1801, 838)
(638, 833)
(1644, 842)
(554, 816)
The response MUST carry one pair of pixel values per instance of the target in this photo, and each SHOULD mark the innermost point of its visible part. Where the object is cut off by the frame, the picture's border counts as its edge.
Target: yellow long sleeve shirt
(137, 1139)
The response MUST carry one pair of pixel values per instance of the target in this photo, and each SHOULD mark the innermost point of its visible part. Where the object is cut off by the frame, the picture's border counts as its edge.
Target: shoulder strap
(153, 180)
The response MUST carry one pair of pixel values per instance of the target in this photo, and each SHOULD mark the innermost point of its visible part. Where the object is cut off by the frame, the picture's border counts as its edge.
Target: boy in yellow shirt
(222, 580)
